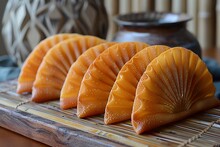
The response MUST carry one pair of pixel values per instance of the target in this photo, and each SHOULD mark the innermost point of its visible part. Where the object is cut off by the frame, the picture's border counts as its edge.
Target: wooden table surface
(9, 138)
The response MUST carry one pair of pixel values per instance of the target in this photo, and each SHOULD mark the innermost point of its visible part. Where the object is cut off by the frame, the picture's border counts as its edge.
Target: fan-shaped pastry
(33, 61)
(101, 75)
(55, 65)
(70, 89)
(121, 97)
(175, 85)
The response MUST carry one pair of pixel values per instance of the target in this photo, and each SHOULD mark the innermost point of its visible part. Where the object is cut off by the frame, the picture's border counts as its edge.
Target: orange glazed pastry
(55, 65)
(33, 61)
(101, 75)
(70, 89)
(121, 97)
(175, 85)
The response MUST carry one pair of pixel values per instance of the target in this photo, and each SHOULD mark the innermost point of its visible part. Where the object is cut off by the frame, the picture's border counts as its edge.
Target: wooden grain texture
(47, 131)
(50, 125)
(12, 139)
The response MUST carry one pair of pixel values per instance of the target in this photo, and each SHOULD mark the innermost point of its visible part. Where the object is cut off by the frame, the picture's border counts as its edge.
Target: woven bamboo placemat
(202, 129)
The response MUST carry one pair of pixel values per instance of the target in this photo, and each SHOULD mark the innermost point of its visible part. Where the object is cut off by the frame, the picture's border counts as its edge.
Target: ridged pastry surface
(175, 85)
(33, 61)
(71, 86)
(55, 65)
(101, 75)
(121, 97)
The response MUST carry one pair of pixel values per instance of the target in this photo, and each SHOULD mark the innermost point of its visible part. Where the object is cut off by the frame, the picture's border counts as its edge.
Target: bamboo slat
(136, 6)
(218, 24)
(125, 6)
(199, 130)
(206, 24)
(192, 11)
(162, 5)
(112, 7)
(142, 5)
(179, 6)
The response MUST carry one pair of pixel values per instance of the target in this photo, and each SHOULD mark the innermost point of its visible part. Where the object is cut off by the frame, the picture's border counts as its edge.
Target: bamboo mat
(202, 129)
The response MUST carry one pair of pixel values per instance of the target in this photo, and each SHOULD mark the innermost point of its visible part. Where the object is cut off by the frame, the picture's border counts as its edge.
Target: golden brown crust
(175, 85)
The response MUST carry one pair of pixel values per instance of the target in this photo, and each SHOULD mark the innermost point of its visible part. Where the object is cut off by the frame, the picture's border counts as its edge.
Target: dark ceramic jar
(157, 28)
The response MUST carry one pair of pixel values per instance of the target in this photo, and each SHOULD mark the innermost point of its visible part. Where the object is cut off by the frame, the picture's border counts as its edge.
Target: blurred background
(205, 24)
(2, 8)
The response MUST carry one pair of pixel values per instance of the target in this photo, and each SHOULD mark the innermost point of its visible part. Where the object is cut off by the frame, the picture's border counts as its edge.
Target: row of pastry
(151, 85)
